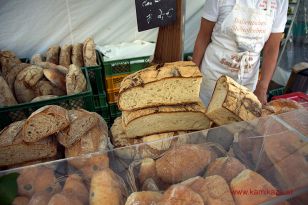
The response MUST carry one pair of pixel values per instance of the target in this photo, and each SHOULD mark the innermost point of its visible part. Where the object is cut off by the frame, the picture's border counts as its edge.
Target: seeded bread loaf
(44, 122)
(232, 102)
(13, 150)
(81, 121)
(168, 84)
(65, 56)
(77, 55)
(6, 97)
(52, 54)
(89, 54)
(75, 80)
(164, 119)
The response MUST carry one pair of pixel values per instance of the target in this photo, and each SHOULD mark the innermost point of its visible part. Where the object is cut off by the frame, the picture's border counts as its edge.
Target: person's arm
(203, 40)
(270, 55)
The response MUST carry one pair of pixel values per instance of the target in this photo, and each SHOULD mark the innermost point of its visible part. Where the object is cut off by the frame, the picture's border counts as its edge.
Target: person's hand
(260, 92)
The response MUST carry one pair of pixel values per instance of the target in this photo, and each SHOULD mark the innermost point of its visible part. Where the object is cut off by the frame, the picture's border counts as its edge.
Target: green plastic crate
(101, 106)
(114, 110)
(21, 111)
(276, 92)
(96, 76)
(124, 66)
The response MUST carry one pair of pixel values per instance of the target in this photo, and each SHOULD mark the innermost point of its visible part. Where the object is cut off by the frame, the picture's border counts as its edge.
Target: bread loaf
(20, 200)
(248, 181)
(65, 56)
(25, 82)
(77, 54)
(226, 167)
(183, 162)
(56, 77)
(89, 54)
(44, 87)
(283, 105)
(6, 97)
(14, 151)
(74, 185)
(11, 76)
(52, 54)
(232, 102)
(43, 97)
(75, 80)
(62, 198)
(36, 59)
(44, 122)
(143, 198)
(180, 195)
(7, 60)
(40, 198)
(107, 188)
(147, 170)
(164, 119)
(168, 84)
(214, 190)
(81, 121)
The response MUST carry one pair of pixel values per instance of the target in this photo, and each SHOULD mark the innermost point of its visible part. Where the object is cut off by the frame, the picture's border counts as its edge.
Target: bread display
(143, 198)
(15, 151)
(107, 188)
(6, 98)
(75, 80)
(77, 54)
(226, 167)
(65, 56)
(89, 54)
(249, 180)
(164, 119)
(52, 54)
(180, 80)
(53, 117)
(213, 190)
(183, 162)
(232, 102)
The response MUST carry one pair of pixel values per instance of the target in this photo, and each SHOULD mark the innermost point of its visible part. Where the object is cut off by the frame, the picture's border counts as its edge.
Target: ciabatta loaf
(232, 102)
(44, 122)
(13, 150)
(165, 119)
(168, 84)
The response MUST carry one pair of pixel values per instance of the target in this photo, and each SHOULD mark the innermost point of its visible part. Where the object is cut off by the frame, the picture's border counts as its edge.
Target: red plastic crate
(299, 97)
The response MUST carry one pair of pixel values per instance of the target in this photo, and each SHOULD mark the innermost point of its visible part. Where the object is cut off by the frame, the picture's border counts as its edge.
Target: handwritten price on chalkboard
(161, 16)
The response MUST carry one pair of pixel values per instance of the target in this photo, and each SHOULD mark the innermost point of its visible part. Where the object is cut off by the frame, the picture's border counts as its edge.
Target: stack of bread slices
(159, 102)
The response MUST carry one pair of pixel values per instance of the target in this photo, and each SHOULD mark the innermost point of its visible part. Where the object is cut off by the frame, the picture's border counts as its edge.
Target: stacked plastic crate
(115, 71)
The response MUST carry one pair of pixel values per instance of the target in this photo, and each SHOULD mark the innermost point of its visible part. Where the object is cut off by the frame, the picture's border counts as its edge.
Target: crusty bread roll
(183, 162)
(81, 121)
(25, 82)
(89, 54)
(65, 56)
(165, 119)
(44, 122)
(14, 151)
(6, 97)
(249, 181)
(74, 185)
(40, 198)
(75, 80)
(11, 76)
(180, 195)
(52, 54)
(213, 190)
(226, 167)
(77, 55)
(181, 85)
(107, 188)
(232, 102)
(143, 198)
(62, 198)
(20, 200)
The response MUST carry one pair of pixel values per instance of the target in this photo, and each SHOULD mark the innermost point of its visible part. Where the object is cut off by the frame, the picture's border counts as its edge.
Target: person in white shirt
(232, 35)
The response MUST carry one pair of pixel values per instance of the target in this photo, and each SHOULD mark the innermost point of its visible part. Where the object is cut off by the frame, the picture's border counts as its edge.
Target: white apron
(245, 31)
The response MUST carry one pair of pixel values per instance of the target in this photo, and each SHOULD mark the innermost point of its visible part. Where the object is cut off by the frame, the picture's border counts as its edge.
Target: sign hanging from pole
(155, 13)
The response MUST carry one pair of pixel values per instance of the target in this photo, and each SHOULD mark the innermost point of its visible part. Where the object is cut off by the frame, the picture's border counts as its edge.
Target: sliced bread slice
(232, 102)
(44, 122)
(81, 122)
(168, 84)
(165, 119)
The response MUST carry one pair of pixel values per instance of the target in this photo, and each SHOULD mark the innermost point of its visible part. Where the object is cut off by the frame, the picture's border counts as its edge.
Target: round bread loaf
(143, 198)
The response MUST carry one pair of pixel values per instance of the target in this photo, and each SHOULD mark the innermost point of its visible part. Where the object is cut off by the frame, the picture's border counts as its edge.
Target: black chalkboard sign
(155, 13)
